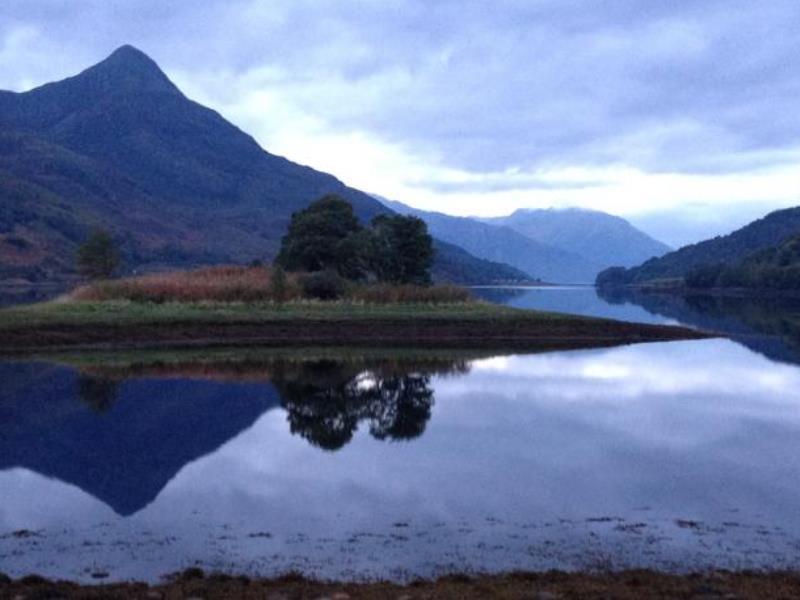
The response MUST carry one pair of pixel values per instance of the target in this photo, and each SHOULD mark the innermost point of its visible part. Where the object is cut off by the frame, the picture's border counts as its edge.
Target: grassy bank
(245, 306)
(632, 585)
(122, 324)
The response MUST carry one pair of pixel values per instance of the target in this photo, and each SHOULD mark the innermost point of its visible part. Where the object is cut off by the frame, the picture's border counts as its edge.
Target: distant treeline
(774, 268)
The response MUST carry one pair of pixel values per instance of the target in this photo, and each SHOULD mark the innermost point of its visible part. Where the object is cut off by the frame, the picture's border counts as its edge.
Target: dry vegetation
(250, 285)
(213, 284)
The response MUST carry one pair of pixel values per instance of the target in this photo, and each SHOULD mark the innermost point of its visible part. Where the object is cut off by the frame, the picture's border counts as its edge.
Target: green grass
(131, 313)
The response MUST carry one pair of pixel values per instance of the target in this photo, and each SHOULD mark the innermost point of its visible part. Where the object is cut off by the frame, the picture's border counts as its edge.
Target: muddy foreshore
(507, 334)
(553, 585)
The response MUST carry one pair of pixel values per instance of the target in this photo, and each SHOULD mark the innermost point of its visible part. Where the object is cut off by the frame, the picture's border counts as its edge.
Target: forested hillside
(726, 250)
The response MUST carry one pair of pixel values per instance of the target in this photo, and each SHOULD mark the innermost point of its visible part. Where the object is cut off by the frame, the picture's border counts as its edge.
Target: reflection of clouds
(689, 429)
(712, 368)
(676, 394)
(26, 497)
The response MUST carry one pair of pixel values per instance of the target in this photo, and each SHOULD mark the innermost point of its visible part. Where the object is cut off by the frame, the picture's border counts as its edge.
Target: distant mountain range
(119, 146)
(768, 232)
(557, 246)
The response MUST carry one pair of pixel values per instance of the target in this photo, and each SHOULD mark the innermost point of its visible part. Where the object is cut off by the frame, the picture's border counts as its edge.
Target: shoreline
(550, 585)
(719, 292)
(55, 327)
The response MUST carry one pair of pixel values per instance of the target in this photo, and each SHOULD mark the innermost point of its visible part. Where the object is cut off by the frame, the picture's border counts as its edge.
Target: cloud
(467, 105)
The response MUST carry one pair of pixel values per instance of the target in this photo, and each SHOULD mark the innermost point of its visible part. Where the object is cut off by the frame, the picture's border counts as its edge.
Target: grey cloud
(501, 184)
(666, 86)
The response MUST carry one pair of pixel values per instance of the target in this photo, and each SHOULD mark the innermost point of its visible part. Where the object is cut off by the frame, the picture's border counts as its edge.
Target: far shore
(57, 326)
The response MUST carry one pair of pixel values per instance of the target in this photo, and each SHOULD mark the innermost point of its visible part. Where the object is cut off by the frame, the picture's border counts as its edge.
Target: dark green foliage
(323, 236)
(703, 277)
(328, 236)
(324, 285)
(612, 276)
(279, 285)
(402, 250)
(775, 268)
(98, 257)
(725, 250)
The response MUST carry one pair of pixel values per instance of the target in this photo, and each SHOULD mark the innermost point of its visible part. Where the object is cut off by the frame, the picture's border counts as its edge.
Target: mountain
(503, 244)
(729, 249)
(558, 246)
(119, 146)
(599, 237)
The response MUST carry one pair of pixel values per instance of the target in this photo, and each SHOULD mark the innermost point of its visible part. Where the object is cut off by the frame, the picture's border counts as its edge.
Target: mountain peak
(129, 54)
(130, 69)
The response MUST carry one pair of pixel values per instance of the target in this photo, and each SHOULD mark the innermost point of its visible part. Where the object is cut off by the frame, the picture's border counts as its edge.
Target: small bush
(323, 285)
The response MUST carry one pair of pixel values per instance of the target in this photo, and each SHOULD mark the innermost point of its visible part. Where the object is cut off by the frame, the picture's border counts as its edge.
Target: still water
(398, 464)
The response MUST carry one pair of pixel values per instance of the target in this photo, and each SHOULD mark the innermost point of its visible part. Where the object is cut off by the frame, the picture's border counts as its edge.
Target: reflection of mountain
(128, 439)
(767, 325)
(121, 432)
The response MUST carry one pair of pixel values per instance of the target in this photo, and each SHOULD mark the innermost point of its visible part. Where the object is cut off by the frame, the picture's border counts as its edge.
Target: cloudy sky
(682, 115)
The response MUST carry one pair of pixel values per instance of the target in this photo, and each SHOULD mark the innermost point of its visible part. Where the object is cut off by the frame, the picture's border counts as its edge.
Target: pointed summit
(129, 69)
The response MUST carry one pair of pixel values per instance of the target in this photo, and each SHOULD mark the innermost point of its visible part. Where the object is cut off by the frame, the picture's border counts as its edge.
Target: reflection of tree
(98, 393)
(401, 407)
(326, 400)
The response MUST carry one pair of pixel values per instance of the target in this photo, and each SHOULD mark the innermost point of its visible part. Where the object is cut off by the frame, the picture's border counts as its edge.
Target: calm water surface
(672, 455)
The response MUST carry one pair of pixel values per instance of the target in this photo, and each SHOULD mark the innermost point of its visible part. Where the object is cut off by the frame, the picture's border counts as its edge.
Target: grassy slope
(132, 313)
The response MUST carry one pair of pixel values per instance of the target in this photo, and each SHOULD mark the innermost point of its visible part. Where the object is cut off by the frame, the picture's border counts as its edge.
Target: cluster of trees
(98, 257)
(773, 268)
(327, 236)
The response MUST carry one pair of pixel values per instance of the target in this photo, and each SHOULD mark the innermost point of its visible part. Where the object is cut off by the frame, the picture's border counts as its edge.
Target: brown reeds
(250, 285)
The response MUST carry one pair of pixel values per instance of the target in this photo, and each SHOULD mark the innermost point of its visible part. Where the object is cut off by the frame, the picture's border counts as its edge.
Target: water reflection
(578, 300)
(122, 430)
(669, 455)
(769, 325)
(98, 393)
(326, 400)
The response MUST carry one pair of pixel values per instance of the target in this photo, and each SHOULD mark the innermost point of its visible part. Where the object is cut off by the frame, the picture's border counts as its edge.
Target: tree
(401, 250)
(278, 285)
(98, 257)
(325, 235)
